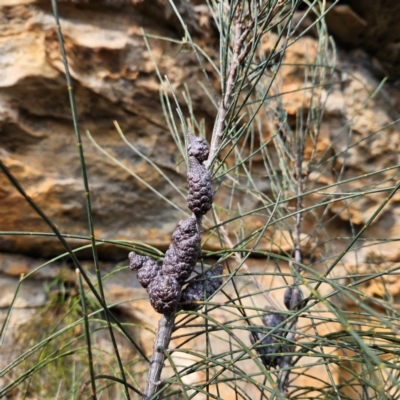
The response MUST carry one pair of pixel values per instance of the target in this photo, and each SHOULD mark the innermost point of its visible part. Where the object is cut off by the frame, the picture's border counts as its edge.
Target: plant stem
(87, 197)
(224, 105)
(87, 334)
(238, 259)
(297, 149)
(161, 343)
(240, 51)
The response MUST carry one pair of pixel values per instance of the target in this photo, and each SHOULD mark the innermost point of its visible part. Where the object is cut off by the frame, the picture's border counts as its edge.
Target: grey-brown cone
(181, 256)
(136, 261)
(147, 268)
(292, 297)
(273, 319)
(271, 344)
(197, 147)
(195, 290)
(148, 272)
(200, 195)
(164, 293)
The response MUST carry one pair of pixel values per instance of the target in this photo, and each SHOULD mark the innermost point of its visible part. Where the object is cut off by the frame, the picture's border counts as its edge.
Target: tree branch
(163, 337)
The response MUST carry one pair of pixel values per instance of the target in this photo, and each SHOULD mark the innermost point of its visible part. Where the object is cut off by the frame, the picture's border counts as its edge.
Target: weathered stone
(114, 78)
(345, 24)
(382, 32)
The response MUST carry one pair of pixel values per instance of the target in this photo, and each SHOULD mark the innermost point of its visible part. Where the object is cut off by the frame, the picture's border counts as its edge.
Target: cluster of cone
(164, 283)
(268, 346)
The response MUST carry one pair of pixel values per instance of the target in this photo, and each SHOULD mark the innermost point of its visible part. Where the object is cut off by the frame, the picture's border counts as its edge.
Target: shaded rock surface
(373, 25)
(114, 79)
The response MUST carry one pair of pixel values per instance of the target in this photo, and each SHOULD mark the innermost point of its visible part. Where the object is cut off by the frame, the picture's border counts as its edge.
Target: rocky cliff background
(115, 79)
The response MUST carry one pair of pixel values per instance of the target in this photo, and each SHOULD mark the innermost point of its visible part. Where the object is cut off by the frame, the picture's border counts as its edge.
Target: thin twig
(87, 334)
(115, 379)
(161, 343)
(87, 190)
(297, 153)
(238, 259)
(238, 56)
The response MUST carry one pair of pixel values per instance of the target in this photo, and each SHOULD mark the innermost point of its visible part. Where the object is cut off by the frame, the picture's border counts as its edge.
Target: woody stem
(163, 337)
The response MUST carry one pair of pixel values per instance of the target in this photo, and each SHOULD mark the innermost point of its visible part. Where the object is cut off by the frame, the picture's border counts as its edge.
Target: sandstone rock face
(371, 24)
(114, 79)
(382, 33)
